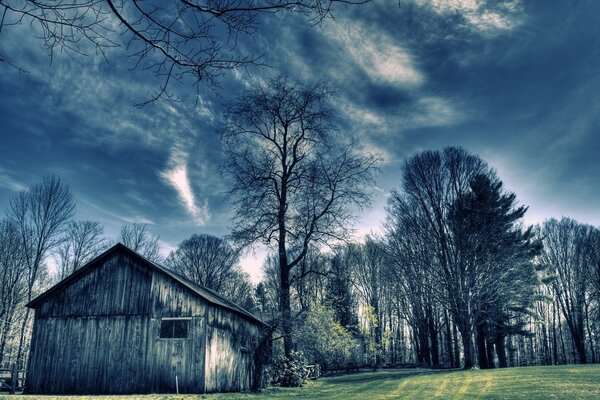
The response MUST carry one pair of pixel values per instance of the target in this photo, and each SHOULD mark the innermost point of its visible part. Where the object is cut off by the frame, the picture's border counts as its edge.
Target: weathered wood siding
(171, 299)
(88, 355)
(119, 287)
(229, 361)
(181, 358)
(100, 334)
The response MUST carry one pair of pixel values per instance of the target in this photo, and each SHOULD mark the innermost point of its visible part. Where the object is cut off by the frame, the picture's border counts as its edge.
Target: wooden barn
(123, 324)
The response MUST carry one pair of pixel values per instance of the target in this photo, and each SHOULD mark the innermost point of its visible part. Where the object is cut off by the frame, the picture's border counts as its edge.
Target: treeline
(455, 280)
(41, 243)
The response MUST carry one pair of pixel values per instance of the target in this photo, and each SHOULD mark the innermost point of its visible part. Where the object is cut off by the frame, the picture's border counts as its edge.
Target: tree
(176, 40)
(471, 226)
(41, 214)
(294, 184)
(212, 262)
(369, 276)
(498, 258)
(206, 260)
(139, 239)
(83, 240)
(13, 282)
(565, 246)
(339, 295)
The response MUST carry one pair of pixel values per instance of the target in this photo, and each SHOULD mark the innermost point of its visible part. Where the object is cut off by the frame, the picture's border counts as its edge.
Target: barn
(123, 324)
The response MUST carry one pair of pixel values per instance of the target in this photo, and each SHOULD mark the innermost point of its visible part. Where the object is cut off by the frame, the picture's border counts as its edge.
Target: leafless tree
(206, 260)
(195, 39)
(83, 240)
(41, 214)
(565, 246)
(369, 272)
(293, 183)
(139, 239)
(13, 280)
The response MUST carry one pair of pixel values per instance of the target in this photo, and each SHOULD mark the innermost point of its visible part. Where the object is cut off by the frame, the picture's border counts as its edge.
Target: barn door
(178, 356)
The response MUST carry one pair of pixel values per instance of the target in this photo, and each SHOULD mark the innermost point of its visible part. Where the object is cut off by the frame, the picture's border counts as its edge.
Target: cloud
(178, 178)
(377, 54)
(7, 181)
(479, 14)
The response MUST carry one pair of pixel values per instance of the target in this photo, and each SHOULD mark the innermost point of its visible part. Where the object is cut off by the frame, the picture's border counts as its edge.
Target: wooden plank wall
(183, 358)
(88, 355)
(119, 287)
(228, 360)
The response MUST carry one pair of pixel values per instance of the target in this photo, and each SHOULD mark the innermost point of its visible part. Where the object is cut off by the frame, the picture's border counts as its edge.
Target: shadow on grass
(384, 375)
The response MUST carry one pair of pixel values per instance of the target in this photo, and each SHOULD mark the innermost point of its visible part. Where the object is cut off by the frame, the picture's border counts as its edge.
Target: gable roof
(206, 294)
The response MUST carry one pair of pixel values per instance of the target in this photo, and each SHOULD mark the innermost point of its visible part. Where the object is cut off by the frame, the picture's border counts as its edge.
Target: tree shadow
(385, 375)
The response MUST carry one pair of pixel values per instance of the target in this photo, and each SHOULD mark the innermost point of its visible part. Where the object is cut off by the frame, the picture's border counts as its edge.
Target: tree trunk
(19, 358)
(449, 349)
(467, 341)
(456, 346)
(286, 311)
(481, 350)
(501, 351)
(433, 339)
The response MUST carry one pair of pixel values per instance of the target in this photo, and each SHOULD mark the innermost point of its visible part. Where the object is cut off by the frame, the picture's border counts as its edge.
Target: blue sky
(516, 82)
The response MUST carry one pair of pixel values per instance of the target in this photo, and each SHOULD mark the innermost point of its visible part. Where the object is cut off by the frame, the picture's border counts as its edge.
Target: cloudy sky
(516, 82)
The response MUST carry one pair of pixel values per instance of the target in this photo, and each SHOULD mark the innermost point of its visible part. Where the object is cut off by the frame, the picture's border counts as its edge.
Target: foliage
(324, 340)
(290, 371)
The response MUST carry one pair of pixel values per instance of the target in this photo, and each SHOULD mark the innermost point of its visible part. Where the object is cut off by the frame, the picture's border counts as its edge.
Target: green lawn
(557, 382)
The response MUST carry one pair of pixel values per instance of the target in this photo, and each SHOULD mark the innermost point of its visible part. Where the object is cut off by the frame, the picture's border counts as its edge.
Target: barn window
(174, 328)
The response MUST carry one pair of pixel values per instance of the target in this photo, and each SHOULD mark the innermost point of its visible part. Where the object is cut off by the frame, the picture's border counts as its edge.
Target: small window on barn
(174, 328)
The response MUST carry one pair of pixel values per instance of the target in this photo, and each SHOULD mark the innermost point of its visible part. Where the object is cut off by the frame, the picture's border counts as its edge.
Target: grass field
(556, 382)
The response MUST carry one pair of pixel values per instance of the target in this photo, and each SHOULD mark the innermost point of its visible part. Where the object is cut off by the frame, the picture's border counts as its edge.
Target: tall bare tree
(139, 239)
(293, 183)
(181, 39)
(41, 213)
(82, 241)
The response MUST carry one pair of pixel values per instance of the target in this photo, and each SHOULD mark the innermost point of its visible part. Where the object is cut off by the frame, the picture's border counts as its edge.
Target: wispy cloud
(480, 14)
(9, 182)
(178, 178)
(377, 54)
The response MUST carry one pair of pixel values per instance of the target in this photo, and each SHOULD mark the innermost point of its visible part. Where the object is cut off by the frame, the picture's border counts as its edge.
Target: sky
(515, 82)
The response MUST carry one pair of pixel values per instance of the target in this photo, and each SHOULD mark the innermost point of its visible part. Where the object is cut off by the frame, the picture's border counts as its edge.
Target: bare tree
(41, 214)
(206, 260)
(369, 270)
(139, 239)
(565, 246)
(293, 184)
(177, 40)
(82, 241)
(13, 280)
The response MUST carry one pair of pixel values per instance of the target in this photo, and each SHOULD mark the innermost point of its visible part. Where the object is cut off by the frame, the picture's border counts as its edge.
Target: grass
(555, 382)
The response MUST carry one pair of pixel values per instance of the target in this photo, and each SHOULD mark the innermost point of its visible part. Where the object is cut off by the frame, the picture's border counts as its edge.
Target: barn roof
(207, 294)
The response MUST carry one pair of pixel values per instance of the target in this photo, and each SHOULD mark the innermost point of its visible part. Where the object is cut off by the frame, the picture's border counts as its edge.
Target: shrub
(325, 341)
(291, 372)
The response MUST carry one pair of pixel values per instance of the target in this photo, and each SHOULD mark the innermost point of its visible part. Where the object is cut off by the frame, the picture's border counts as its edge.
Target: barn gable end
(99, 331)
